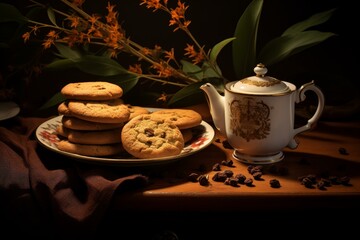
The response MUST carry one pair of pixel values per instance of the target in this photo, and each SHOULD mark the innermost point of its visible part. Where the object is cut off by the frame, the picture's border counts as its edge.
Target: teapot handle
(299, 97)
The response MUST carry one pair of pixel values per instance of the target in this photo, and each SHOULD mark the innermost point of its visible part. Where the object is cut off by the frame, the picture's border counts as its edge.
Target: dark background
(332, 64)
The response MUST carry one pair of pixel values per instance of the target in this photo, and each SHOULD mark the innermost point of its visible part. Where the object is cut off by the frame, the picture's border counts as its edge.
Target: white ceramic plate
(8, 110)
(46, 135)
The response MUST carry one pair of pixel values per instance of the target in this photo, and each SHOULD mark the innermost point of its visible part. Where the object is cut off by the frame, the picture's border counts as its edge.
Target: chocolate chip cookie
(92, 91)
(110, 111)
(146, 136)
(90, 149)
(182, 118)
(80, 124)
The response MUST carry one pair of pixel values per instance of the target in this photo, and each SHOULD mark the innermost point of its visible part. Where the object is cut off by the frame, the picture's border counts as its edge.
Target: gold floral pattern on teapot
(249, 118)
(268, 83)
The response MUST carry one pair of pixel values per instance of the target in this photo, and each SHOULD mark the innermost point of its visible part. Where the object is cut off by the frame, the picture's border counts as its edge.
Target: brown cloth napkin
(45, 194)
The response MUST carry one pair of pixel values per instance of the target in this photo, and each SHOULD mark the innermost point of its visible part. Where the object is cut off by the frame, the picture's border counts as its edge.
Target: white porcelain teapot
(257, 113)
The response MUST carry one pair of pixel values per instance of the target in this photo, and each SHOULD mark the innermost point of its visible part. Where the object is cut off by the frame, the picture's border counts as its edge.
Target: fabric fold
(45, 193)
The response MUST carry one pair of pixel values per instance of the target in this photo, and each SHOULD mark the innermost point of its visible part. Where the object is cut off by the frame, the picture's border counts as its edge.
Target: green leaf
(218, 47)
(209, 72)
(199, 72)
(285, 46)
(191, 69)
(312, 21)
(53, 101)
(60, 64)
(100, 66)
(34, 12)
(244, 46)
(51, 15)
(192, 94)
(125, 81)
(67, 52)
(9, 13)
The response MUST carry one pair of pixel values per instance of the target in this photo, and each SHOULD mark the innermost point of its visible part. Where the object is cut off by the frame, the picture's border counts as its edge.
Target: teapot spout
(216, 106)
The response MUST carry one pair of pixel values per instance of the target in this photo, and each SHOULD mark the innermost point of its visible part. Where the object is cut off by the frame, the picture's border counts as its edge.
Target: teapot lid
(260, 84)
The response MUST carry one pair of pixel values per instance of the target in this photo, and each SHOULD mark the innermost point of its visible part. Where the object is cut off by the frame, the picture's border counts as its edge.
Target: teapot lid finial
(260, 70)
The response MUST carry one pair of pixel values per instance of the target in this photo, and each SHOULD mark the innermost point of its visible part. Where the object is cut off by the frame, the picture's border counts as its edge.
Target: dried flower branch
(81, 28)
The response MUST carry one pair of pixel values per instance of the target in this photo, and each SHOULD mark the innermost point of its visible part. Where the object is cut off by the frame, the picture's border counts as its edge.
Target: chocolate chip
(149, 132)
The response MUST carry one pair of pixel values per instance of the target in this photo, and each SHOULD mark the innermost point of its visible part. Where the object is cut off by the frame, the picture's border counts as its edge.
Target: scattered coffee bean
(301, 178)
(231, 181)
(257, 175)
(228, 162)
(249, 168)
(216, 167)
(312, 178)
(343, 151)
(310, 181)
(248, 182)
(241, 177)
(228, 173)
(345, 180)
(227, 145)
(274, 183)
(321, 185)
(326, 181)
(307, 182)
(227, 181)
(219, 177)
(334, 180)
(204, 180)
(193, 177)
(255, 169)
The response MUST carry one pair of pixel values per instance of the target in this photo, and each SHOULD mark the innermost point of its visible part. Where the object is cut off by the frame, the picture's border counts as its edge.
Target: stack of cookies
(97, 122)
(93, 116)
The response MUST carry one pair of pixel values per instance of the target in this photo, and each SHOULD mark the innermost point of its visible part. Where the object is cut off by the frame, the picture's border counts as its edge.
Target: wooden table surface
(330, 149)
